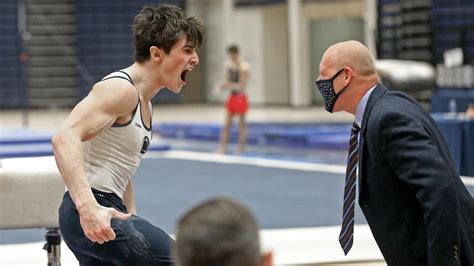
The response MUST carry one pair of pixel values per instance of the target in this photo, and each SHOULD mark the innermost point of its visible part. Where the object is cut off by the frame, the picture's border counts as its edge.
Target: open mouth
(183, 75)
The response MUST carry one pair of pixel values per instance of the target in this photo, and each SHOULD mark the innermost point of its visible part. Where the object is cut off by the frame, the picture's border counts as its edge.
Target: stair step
(45, 82)
(49, 2)
(50, 19)
(71, 92)
(61, 29)
(53, 103)
(53, 80)
(52, 61)
(52, 71)
(50, 8)
(47, 40)
(52, 50)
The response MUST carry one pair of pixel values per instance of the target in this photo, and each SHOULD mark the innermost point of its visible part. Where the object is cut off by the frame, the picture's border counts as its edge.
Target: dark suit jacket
(415, 203)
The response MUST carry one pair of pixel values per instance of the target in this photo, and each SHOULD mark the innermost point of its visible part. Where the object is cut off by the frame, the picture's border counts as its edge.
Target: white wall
(246, 30)
(262, 34)
(275, 55)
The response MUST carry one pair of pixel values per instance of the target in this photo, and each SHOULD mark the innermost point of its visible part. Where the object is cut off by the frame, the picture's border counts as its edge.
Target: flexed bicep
(106, 102)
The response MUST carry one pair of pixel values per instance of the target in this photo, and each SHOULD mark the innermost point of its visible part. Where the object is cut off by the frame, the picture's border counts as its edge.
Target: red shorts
(237, 103)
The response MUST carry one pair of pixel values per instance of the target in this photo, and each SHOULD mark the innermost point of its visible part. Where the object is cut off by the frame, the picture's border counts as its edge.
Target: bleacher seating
(13, 87)
(71, 45)
(453, 27)
(424, 30)
(404, 30)
(388, 24)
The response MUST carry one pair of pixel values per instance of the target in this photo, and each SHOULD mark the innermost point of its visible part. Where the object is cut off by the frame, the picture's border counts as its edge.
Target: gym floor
(296, 200)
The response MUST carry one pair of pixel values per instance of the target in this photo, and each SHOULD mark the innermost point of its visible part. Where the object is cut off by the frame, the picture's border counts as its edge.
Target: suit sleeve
(417, 161)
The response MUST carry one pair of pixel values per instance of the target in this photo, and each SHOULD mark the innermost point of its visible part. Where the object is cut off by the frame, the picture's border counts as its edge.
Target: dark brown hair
(162, 27)
(233, 49)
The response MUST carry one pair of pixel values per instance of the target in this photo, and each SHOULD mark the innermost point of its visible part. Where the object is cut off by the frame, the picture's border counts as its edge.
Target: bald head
(352, 54)
(346, 72)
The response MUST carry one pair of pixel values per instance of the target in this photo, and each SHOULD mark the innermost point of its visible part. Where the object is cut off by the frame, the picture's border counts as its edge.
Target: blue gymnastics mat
(28, 143)
(299, 135)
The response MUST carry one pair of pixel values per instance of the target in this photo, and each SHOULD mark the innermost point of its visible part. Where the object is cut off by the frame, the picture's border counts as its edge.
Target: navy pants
(137, 241)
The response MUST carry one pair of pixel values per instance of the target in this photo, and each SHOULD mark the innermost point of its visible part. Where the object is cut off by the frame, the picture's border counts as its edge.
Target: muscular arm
(108, 101)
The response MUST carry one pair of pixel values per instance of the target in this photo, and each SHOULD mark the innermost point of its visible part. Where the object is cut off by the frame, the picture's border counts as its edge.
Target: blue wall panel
(12, 85)
(105, 39)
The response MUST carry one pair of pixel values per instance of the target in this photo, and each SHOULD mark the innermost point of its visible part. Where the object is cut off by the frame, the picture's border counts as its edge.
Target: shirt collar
(361, 106)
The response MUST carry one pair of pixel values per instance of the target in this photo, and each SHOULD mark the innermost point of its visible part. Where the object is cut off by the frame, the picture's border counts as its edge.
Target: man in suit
(415, 203)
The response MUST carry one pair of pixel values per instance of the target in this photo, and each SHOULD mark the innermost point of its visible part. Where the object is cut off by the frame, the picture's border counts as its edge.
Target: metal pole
(24, 36)
(370, 18)
(53, 246)
(299, 95)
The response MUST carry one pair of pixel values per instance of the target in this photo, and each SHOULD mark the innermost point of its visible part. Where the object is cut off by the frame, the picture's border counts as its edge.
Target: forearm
(70, 162)
(129, 198)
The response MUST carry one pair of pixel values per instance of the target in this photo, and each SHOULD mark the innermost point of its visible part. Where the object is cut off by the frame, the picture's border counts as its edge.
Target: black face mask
(326, 88)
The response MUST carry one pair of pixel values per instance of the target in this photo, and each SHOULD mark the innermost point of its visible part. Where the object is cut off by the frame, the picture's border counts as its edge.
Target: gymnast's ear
(156, 54)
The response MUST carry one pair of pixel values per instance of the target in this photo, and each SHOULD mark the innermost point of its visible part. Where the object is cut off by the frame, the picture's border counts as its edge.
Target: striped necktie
(347, 229)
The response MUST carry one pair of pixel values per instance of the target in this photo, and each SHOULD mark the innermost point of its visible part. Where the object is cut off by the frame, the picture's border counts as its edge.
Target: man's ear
(349, 74)
(267, 258)
(156, 54)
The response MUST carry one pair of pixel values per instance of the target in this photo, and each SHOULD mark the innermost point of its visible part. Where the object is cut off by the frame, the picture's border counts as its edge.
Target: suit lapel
(378, 91)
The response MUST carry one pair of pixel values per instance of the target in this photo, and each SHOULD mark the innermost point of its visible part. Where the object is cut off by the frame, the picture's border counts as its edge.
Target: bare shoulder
(228, 64)
(244, 66)
(115, 95)
(107, 101)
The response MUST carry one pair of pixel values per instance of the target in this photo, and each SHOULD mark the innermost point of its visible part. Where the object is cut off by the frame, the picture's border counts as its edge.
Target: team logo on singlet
(145, 145)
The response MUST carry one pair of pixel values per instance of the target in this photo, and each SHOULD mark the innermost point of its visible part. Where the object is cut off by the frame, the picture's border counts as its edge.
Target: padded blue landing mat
(28, 143)
(300, 135)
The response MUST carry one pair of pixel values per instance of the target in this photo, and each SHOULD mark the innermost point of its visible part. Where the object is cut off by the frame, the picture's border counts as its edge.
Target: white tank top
(112, 157)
